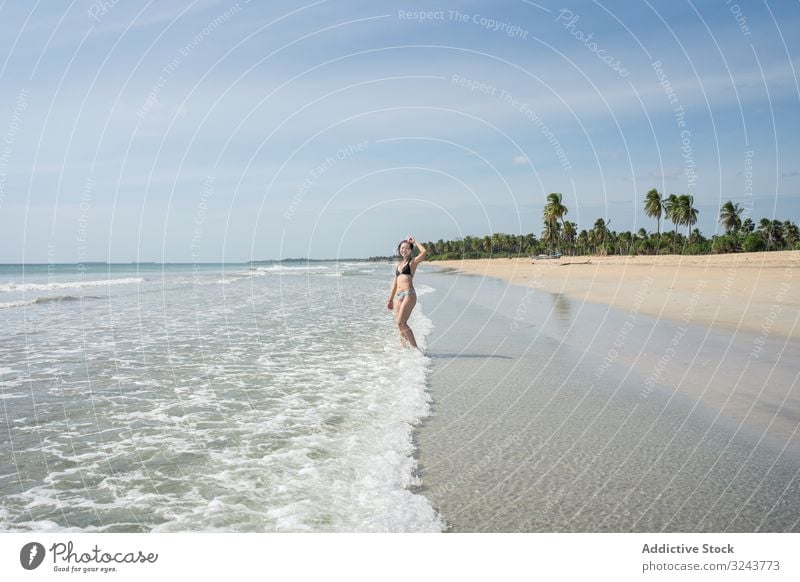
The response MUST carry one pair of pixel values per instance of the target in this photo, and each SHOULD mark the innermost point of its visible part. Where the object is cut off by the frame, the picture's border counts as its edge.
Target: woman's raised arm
(423, 252)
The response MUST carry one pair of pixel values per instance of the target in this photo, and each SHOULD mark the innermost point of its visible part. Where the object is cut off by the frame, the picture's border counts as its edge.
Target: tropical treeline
(741, 234)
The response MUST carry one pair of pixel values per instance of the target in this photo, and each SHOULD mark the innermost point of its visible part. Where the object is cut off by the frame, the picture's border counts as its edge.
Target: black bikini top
(406, 270)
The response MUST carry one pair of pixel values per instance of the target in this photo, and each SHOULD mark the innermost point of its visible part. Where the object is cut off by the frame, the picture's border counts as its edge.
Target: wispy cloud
(117, 19)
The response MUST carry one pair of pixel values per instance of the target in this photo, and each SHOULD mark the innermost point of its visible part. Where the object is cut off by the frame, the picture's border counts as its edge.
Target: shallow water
(536, 426)
(213, 398)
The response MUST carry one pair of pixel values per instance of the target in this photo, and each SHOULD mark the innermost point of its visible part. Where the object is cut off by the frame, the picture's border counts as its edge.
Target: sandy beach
(748, 291)
(553, 411)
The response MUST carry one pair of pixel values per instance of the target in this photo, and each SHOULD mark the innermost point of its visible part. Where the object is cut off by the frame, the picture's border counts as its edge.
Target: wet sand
(556, 414)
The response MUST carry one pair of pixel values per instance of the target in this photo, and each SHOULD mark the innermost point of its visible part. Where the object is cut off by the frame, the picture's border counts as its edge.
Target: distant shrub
(753, 243)
(696, 249)
(726, 243)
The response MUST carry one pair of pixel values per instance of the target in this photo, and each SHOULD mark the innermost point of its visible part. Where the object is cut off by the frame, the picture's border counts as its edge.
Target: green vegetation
(559, 235)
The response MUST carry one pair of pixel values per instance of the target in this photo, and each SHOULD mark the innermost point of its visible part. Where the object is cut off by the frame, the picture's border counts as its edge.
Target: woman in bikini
(403, 293)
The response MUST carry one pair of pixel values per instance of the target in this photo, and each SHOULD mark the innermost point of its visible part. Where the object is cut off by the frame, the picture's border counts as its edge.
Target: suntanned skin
(403, 282)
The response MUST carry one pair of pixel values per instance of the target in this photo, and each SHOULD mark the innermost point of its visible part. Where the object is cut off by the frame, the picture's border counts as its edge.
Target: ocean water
(266, 397)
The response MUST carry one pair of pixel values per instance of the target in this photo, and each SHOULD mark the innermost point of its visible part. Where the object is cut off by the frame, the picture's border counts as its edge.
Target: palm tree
(647, 244)
(530, 242)
(671, 210)
(774, 230)
(496, 246)
(487, 245)
(686, 212)
(569, 234)
(554, 211)
(625, 240)
(475, 246)
(654, 207)
(583, 241)
(508, 243)
(767, 232)
(599, 234)
(730, 216)
(777, 230)
(791, 234)
(550, 232)
(556, 208)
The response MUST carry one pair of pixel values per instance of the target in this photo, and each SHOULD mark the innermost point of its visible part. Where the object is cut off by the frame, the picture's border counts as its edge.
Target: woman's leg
(403, 313)
(397, 304)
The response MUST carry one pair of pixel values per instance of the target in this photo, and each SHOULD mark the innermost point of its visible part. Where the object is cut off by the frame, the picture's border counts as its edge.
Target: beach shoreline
(756, 292)
(554, 414)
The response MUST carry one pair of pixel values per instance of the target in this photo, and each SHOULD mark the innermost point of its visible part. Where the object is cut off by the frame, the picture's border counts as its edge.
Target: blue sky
(230, 131)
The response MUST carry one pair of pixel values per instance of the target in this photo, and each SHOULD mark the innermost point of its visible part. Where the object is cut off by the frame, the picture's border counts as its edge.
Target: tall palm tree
(671, 210)
(550, 232)
(555, 207)
(730, 216)
(554, 211)
(654, 207)
(688, 213)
